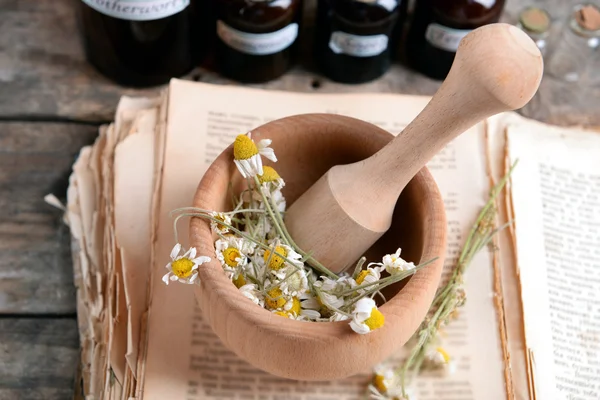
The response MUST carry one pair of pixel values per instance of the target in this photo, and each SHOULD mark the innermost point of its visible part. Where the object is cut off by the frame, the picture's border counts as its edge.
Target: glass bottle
(355, 38)
(576, 50)
(138, 44)
(438, 27)
(536, 23)
(256, 39)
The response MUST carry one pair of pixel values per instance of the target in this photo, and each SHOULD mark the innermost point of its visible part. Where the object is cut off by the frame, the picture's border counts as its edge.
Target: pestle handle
(497, 68)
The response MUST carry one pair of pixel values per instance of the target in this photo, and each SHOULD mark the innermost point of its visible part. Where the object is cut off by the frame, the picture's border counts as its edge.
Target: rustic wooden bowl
(306, 147)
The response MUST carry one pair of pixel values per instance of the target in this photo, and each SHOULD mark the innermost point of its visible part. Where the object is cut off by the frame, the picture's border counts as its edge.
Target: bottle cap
(534, 19)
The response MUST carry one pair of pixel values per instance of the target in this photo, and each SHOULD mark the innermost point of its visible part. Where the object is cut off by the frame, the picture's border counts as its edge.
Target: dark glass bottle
(437, 28)
(256, 39)
(355, 38)
(138, 44)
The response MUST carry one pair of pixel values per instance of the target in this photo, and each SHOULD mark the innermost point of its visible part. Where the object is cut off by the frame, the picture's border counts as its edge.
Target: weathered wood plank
(44, 72)
(39, 358)
(36, 274)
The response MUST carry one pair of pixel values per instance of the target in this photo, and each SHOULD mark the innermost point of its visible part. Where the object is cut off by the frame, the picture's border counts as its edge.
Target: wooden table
(51, 104)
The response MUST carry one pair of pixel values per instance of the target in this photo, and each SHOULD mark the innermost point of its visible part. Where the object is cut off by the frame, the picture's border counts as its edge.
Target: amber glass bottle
(439, 25)
(355, 38)
(256, 39)
(138, 43)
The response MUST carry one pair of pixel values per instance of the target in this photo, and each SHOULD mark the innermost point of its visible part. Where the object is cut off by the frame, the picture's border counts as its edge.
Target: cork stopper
(588, 17)
(535, 20)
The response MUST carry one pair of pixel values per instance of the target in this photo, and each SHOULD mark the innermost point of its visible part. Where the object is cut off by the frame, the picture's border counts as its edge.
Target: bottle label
(258, 44)
(357, 46)
(445, 38)
(138, 10)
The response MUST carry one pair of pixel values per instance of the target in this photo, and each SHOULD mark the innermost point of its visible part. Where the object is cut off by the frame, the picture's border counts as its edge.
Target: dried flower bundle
(261, 259)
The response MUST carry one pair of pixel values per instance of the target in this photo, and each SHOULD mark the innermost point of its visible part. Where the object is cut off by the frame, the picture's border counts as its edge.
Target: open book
(530, 328)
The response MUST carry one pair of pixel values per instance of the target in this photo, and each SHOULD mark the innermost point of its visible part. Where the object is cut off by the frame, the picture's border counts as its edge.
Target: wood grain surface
(44, 77)
(36, 275)
(39, 358)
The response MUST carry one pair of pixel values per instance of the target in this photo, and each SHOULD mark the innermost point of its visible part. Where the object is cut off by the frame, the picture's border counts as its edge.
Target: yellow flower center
(220, 217)
(444, 354)
(282, 313)
(239, 281)
(244, 148)
(296, 306)
(182, 268)
(378, 382)
(361, 277)
(269, 175)
(274, 299)
(276, 262)
(231, 254)
(375, 320)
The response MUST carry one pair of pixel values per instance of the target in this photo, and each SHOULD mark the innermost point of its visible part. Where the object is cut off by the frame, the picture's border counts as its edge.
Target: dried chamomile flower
(183, 268)
(366, 317)
(295, 282)
(383, 378)
(439, 359)
(394, 264)
(246, 155)
(369, 275)
(232, 253)
(217, 227)
(270, 179)
(251, 292)
(276, 260)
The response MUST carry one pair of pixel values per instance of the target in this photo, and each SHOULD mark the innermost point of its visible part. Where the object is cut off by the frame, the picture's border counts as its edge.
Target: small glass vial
(355, 38)
(577, 45)
(256, 39)
(536, 23)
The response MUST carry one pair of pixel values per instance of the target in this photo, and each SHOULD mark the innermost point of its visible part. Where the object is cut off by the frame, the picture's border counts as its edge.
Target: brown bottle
(138, 44)
(437, 28)
(355, 38)
(256, 39)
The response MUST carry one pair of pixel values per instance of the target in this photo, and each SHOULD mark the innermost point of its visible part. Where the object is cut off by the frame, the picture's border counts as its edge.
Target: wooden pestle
(497, 68)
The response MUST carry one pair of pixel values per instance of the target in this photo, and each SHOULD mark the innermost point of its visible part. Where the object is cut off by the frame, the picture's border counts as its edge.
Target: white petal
(174, 277)
(193, 278)
(264, 143)
(201, 260)
(359, 328)
(240, 168)
(195, 267)
(175, 251)
(311, 303)
(165, 278)
(258, 167)
(312, 314)
(268, 153)
(192, 253)
(168, 266)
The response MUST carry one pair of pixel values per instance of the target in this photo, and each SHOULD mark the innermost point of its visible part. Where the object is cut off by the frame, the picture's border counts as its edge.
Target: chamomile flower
(369, 275)
(295, 282)
(366, 317)
(233, 253)
(383, 378)
(217, 227)
(275, 299)
(247, 154)
(338, 285)
(330, 301)
(183, 268)
(276, 260)
(439, 359)
(251, 292)
(394, 264)
(270, 179)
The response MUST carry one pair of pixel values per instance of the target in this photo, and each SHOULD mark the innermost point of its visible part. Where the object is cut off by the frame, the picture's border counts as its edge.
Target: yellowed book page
(187, 361)
(556, 201)
(133, 180)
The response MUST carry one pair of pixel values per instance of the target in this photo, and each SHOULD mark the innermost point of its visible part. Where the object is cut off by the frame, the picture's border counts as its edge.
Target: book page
(556, 202)
(185, 360)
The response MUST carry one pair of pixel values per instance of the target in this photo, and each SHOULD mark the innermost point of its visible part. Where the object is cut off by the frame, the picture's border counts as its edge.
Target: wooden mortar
(306, 147)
